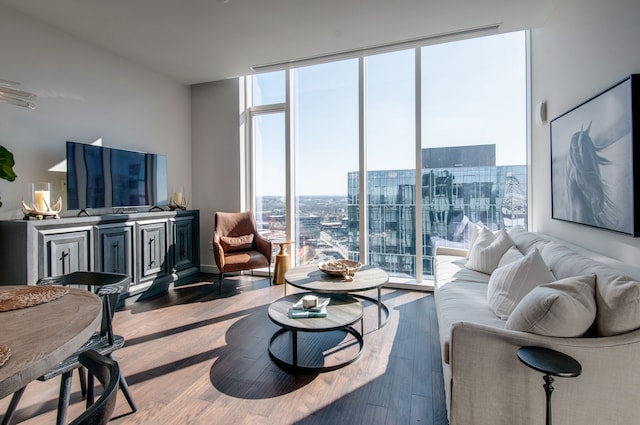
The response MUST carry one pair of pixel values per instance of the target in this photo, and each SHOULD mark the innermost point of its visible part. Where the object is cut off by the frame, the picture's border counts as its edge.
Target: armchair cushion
(236, 243)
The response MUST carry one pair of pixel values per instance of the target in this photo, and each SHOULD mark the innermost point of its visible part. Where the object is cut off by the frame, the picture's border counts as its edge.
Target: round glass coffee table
(322, 346)
(310, 278)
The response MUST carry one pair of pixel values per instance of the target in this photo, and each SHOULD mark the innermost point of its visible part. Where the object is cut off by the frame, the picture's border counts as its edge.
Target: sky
(473, 92)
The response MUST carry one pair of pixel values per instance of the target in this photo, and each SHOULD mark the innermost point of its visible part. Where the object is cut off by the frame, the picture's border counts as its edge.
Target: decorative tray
(5, 353)
(28, 296)
(339, 267)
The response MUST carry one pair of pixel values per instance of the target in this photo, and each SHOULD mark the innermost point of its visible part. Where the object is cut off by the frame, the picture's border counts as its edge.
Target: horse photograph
(592, 151)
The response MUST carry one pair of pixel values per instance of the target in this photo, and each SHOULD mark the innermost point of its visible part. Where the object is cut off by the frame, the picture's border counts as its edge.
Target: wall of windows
(437, 129)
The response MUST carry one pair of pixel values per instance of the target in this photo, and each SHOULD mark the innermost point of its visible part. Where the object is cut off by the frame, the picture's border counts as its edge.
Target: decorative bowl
(339, 267)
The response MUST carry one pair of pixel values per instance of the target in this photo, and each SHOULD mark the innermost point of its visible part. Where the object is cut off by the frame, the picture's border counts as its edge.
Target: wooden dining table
(43, 335)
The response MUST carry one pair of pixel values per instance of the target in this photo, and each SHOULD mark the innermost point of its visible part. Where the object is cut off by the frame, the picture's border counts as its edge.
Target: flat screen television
(101, 177)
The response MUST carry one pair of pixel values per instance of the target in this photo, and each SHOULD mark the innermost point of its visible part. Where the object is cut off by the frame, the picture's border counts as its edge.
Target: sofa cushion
(487, 250)
(525, 240)
(564, 308)
(451, 269)
(462, 302)
(617, 295)
(510, 283)
(236, 243)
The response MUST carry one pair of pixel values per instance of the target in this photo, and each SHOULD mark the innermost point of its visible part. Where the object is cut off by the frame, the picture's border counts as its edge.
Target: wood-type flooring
(195, 357)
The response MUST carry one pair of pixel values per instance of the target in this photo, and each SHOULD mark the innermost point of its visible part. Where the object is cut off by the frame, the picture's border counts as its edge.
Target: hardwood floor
(195, 357)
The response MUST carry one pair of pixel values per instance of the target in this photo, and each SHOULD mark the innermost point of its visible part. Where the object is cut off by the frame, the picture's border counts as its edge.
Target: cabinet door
(183, 244)
(114, 250)
(65, 253)
(153, 249)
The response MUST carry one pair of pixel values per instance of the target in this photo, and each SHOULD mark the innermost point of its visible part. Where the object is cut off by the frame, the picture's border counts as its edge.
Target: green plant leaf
(6, 165)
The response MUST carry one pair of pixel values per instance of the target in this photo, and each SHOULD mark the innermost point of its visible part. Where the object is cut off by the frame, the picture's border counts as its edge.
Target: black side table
(549, 362)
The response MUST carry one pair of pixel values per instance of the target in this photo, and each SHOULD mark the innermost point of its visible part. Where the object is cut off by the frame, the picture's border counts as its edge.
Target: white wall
(84, 93)
(585, 47)
(217, 161)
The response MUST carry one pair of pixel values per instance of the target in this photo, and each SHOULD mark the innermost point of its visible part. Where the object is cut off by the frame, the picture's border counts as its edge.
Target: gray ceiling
(194, 41)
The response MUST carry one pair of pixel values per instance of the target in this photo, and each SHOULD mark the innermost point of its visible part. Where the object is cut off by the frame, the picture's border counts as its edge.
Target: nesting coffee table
(310, 278)
(343, 311)
(323, 337)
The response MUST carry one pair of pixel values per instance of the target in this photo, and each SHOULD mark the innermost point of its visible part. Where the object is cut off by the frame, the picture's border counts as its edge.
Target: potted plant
(6, 166)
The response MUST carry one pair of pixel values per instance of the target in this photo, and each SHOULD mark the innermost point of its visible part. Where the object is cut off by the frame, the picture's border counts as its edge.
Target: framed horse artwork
(594, 147)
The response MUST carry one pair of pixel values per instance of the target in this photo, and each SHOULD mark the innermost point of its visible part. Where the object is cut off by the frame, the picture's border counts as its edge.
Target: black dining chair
(108, 287)
(108, 373)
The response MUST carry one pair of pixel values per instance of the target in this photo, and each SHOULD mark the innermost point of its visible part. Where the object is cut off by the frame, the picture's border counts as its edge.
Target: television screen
(101, 177)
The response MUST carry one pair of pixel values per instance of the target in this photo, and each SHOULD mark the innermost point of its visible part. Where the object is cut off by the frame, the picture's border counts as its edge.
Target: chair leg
(269, 271)
(89, 388)
(12, 406)
(63, 399)
(221, 279)
(83, 381)
(125, 389)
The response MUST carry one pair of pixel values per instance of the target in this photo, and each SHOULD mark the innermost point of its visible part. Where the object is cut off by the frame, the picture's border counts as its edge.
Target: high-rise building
(454, 198)
(459, 156)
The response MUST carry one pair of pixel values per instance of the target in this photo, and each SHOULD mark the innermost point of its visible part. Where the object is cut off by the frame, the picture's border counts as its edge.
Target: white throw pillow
(512, 254)
(510, 283)
(617, 295)
(488, 249)
(618, 304)
(564, 308)
(474, 236)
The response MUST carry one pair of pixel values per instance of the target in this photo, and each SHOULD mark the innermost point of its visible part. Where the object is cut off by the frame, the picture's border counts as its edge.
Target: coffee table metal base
(292, 360)
(382, 308)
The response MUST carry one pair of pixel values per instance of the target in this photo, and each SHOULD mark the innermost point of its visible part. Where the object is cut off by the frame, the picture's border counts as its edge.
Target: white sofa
(485, 382)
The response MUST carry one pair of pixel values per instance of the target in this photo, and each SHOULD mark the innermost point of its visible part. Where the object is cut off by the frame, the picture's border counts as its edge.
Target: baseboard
(208, 268)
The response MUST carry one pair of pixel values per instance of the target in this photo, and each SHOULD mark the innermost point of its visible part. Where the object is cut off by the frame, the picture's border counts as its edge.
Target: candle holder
(41, 195)
(41, 207)
(178, 201)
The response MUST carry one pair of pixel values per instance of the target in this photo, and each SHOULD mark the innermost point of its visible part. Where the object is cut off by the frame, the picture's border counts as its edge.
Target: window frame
(363, 208)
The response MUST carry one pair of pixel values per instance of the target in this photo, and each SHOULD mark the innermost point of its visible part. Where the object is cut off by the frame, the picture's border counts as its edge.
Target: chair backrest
(235, 223)
(108, 286)
(108, 373)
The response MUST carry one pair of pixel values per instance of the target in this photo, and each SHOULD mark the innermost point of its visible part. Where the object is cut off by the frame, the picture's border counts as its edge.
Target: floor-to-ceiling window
(269, 181)
(439, 132)
(326, 150)
(268, 154)
(390, 95)
(473, 138)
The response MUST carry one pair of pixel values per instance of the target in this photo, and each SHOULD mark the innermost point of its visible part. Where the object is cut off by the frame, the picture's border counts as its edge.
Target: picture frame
(594, 148)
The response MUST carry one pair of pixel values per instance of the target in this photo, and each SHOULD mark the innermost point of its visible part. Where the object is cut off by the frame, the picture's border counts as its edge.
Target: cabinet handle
(116, 254)
(65, 256)
(152, 259)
